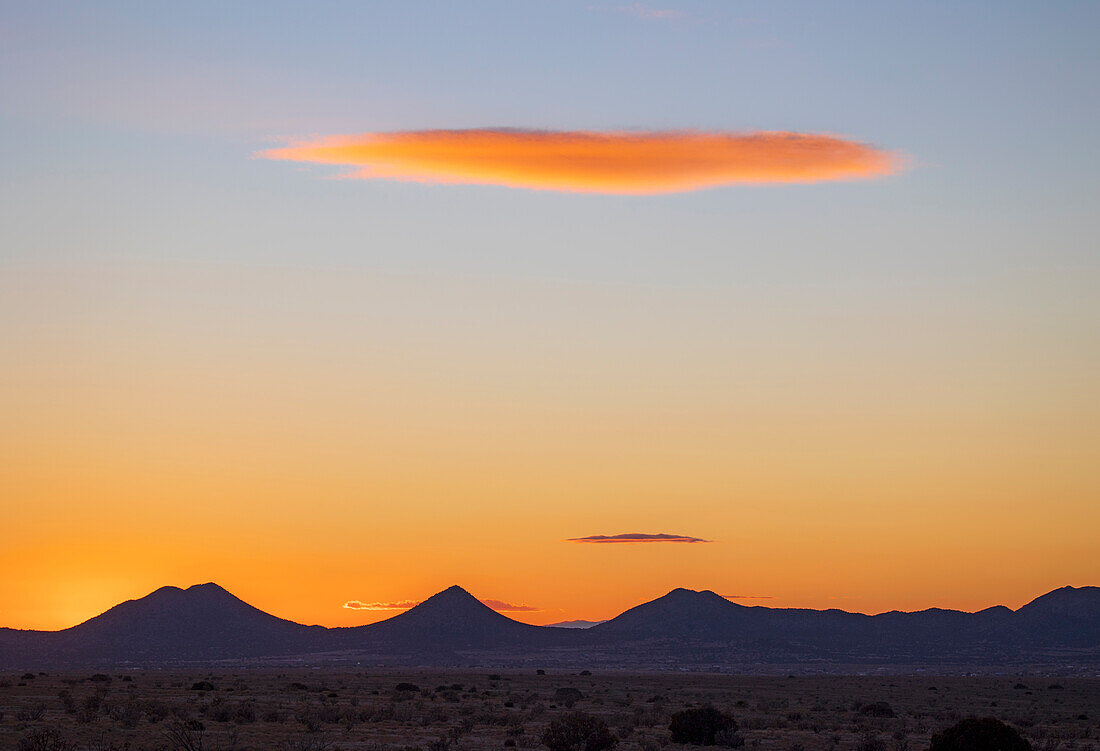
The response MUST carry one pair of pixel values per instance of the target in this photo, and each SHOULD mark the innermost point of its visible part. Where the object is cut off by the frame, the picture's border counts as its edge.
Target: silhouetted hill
(202, 622)
(683, 628)
(684, 619)
(681, 614)
(448, 622)
(1069, 616)
(453, 619)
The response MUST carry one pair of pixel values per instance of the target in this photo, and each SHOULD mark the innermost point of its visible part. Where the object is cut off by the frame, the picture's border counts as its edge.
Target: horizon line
(726, 598)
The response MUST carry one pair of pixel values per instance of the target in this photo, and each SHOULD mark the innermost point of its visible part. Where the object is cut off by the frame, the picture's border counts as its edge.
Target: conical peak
(453, 596)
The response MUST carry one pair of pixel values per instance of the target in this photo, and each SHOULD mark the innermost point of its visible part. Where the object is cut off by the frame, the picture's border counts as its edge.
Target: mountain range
(684, 629)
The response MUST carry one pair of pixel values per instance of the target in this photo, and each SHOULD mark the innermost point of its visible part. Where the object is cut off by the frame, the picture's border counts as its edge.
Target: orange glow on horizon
(464, 447)
(627, 163)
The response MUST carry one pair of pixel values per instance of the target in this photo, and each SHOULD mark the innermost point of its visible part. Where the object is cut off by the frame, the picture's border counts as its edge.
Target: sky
(300, 299)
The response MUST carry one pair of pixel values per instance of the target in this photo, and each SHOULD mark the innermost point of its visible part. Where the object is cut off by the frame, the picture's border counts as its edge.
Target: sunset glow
(590, 162)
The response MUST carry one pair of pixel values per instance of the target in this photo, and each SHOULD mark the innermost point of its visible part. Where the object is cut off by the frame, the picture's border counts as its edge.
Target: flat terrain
(328, 709)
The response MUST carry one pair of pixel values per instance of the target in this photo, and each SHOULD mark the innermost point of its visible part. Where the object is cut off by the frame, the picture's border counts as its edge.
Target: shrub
(89, 709)
(877, 709)
(245, 712)
(871, 742)
(410, 687)
(44, 739)
(699, 726)
(310, 716)
(729, 739)
(578, 731)
(34, 712)
(274, 715)
(568, 695)
(308, 742)
(973, 734)
(202, 686)
(186, 735)
(127, 714)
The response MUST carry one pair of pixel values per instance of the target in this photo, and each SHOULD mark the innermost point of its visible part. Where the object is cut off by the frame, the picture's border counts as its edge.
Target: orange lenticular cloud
(636, 163)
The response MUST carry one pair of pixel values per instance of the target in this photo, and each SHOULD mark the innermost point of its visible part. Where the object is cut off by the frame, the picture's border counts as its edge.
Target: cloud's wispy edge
(396, 605)
(498, 605)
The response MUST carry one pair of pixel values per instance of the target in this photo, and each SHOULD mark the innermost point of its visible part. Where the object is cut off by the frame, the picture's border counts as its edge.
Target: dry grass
(452, 710)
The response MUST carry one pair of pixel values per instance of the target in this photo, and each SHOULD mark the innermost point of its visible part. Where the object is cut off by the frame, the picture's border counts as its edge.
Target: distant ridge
(682, 613)
(681, 629)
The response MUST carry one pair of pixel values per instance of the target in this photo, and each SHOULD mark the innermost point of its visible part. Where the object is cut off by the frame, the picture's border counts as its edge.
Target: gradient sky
(866, 394)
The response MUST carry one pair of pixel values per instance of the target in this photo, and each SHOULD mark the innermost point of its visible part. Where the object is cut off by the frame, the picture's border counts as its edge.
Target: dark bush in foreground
(202, 686)
(700, 726)
(973, 734)
(877, 709)
(410, 687)
(578, 731)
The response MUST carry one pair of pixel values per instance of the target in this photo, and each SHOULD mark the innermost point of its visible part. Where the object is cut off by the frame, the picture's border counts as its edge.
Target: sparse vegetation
(44, 739)
(700, 726)
(877, 709)
(357, 710)
(578, 731)
(568, 696)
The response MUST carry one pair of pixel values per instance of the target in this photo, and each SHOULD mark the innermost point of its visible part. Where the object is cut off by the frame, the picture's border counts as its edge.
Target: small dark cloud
(636, 537)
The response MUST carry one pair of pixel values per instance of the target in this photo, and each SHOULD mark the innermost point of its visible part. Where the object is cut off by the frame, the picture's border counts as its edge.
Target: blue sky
(165, 102)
